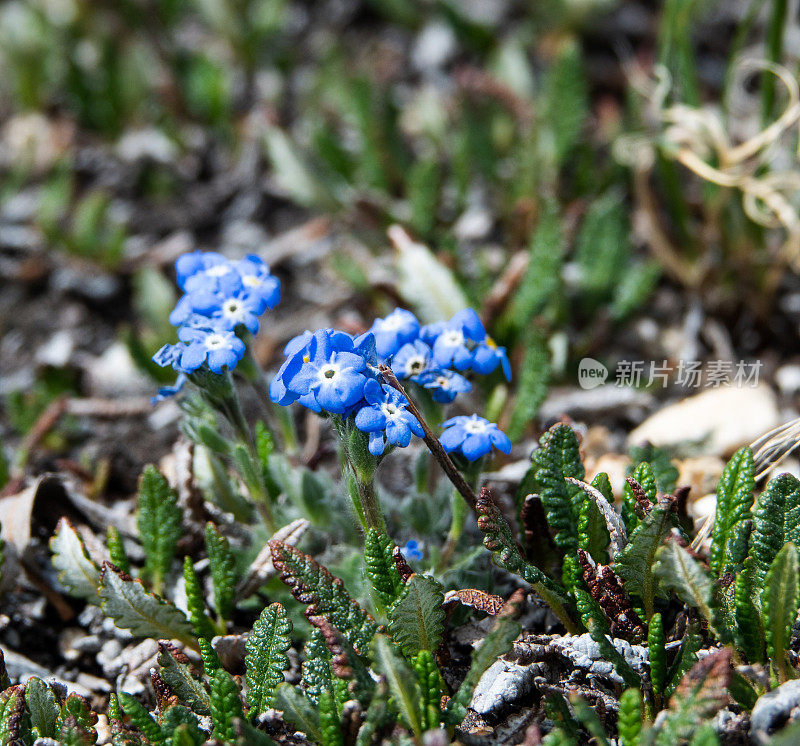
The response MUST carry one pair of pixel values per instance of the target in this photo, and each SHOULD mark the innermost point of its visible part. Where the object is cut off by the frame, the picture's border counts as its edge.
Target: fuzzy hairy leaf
(133, 607)
(223, 571)
(629, 721)
(682, 574)
(225, 704)
(404, 690)
(506, 553)
(646, 479)
(178, 676)
(43, 708)
(747, 627)
(312, 584)
(266, 656)
(734, 500)
(776, 520)
(701, 693)
(416, 621)
(634, 564)
(159, 523)
(779, 601)
(384, 579)
(737, 546)
(76, 571)
(558, 457)
(141, 718)
(298, 710)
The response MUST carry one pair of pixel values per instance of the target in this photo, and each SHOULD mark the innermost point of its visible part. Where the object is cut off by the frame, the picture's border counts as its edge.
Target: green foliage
(76, 571)
(222, 564)
(747, 627)
(734, 500)
(329, 724)
(119, 557)
(644, 476)
(43, 707)
(629, 722)
(779, 602)
(593, 535)
(416, 621)
(159, 523)
(141, 718)
(405, 695)
(657, 654)
(318, 673)
(224, 703)
(680, 573)
(312, 584)
(664, 471)
(384, 579)
(132, 607)
(266, 656)
(178, 676)
(634, 564)
(776, 520)
(180, 727)
(566, 100)
(195, 601)
(299, 711)
(431, 687)
(533, 383)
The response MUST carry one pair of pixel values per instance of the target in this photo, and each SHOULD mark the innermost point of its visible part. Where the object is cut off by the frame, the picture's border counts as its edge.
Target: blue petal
(193, 356)
(452, 438)
(475, 446)
(370, 419)
(376, 443)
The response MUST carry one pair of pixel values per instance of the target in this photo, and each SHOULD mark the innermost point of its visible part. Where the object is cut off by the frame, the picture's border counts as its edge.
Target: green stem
(459, 512)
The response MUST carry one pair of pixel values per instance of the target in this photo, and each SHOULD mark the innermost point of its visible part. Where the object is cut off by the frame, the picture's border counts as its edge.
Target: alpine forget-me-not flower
(473, 437)
(385, 418)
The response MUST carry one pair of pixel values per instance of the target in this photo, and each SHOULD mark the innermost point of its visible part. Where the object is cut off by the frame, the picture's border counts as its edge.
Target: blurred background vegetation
(545, 152)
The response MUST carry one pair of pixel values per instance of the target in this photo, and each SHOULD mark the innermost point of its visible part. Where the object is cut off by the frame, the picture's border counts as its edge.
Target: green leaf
(318, 673)
(776, 520)
(593, 534)
(116, 549)
(431, 685)
(76, 722)
(225, 704)
(312, 584)
(384, 579)
(646, 479)
(557, 458)
(43, 708)
(629, 720)
(266, 658)
(179, 678)
(406, 696)
(634, 564)
(180, 727)
(734, 500)
(657, 654)
(637, 283)
(589, 719)
(533, 383)
(686, 658)
(747, 628)
(705, 735)
(665, 472)
(132, 607)
(680, 573)
(223, 571)
(702, 692)
(195, 602)
(779, 601)
(141, 718)
(76, 571)
(159, 523)
(566, 100)
(298, 711)
(416, 621)
(329, 720)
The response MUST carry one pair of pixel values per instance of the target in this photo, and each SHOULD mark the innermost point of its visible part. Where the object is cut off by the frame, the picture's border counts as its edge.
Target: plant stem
(459, 516)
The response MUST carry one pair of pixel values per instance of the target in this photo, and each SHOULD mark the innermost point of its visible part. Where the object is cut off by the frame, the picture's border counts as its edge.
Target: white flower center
(443, 382)
(475, 427)
(329, 372)
(414, 365)
(453, 338)
(218, 270)
(251, 281)
(233, 309)
(392, 411)
(216, 342)
(392, 323)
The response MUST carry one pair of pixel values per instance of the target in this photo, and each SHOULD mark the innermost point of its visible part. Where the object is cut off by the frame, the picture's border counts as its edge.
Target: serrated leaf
(222, 565)
(776, 520)
(318, 674)
(181, 727)
(747, 627)
(76, 571)
(266, 658)
(734, 500)
(779, 601)
(645, 478)
(43, 708)
(384, 579)
(635, 563)
(133, 607)
(680, 573)
(141, 718)
(567, 103)
(298, 711)
(416, 621)
(159, 523)
(225, 704)
(179, 678)
(403, 687)
(533, 383)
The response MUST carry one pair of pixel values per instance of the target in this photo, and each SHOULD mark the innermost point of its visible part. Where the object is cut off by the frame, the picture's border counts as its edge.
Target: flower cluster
(336, 373)
(222, 299)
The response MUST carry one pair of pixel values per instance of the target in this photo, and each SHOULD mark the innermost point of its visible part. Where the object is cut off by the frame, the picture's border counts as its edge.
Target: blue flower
(257, 280)
(456, 340)
(239, 309)
(295, 351)
(195, 268)
(411, 359)
(169, 356)
(443, 383)
(487, 356)
(386, 418)
(473, 437)
(165, 392)
(219, 348)
(333, 377)
(392, 332)
(412, 550)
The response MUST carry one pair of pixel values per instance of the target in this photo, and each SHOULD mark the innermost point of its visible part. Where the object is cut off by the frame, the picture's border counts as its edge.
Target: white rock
(724, 419)
(57, 350)
(435, 45)
(788, 378)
